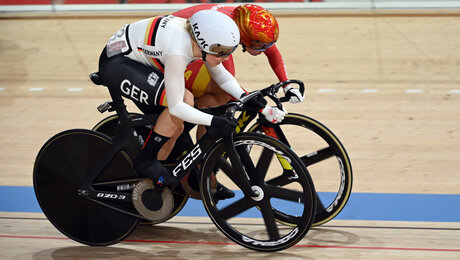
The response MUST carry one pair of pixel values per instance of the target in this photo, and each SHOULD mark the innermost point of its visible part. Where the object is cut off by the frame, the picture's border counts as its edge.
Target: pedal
(104, 107)
(190, 184)
(193, 192)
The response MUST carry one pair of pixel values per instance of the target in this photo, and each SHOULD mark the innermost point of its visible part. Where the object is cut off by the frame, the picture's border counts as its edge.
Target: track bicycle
(320, 150)
(86, 186)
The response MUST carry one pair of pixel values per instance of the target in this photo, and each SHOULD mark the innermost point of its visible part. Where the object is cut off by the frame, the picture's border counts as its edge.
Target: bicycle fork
(242, 178)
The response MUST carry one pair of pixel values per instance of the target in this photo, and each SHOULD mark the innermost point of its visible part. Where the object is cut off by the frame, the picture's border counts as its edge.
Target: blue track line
(361, 206)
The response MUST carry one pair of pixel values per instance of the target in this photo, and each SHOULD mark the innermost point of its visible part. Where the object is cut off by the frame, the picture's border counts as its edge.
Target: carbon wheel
(326, 160)
(259, 156)
(62, 167)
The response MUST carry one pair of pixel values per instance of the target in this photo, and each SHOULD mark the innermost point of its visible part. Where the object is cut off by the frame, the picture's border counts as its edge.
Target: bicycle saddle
(95, 78)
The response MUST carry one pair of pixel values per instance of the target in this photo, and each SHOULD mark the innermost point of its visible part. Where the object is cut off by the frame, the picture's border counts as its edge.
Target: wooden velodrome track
(387, 84)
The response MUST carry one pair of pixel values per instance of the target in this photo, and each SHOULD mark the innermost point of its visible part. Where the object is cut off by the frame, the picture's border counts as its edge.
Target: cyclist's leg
(205, 90)
(138, 82)
(160, 143)
(143, 85)
(207, 94)
(167, 124)
(213, 96)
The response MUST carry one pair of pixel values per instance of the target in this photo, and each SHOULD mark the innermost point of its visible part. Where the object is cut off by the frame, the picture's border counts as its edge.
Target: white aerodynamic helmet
(215, 32)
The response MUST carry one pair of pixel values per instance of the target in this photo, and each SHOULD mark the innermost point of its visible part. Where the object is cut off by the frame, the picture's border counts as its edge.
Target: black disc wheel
(109, 127)
(62, 167)
(325, 158)
(259, 156)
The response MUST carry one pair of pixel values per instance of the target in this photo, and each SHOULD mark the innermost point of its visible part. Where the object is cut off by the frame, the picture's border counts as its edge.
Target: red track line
(63, 238)
(225, 243)
(383, 248)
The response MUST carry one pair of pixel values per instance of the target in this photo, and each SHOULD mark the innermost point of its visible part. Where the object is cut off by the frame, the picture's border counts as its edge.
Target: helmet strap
(203, 55)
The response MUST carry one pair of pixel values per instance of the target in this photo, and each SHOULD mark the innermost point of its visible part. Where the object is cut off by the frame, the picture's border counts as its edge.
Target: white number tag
(118, 42)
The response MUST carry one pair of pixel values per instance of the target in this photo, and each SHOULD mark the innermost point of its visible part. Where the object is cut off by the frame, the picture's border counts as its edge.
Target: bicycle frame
(125, 140)
(91, 173)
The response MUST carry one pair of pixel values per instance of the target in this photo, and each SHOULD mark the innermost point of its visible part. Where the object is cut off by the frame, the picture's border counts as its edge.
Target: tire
(62, 167)
(326, 160)
(109, 127)
(257, 153)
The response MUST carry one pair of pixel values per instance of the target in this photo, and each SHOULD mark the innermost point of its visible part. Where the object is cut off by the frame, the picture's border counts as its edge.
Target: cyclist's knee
(222, 98)
(188, 98)
(180, 128)
(212, 100)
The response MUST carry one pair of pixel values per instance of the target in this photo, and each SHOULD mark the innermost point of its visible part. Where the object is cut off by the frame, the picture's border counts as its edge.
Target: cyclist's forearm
(226, 81)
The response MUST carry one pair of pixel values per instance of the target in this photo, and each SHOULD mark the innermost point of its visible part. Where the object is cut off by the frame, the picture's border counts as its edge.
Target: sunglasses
(260, 46)
(221, 50)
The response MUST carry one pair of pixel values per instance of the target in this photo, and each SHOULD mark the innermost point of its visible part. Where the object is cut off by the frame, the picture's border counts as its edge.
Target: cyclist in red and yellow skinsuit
(258, 33)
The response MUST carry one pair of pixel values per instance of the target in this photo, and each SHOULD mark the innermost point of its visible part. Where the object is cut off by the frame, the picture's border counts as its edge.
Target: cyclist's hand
(222, 125)
(293, 94)
(256, 104)
(273, 114)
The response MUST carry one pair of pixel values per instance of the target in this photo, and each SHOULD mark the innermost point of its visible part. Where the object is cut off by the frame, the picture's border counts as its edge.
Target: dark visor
(260, 46)
(221, 51)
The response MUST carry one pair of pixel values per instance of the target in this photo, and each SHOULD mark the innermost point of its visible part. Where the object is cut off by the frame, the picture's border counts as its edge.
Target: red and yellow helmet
(258, 27)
